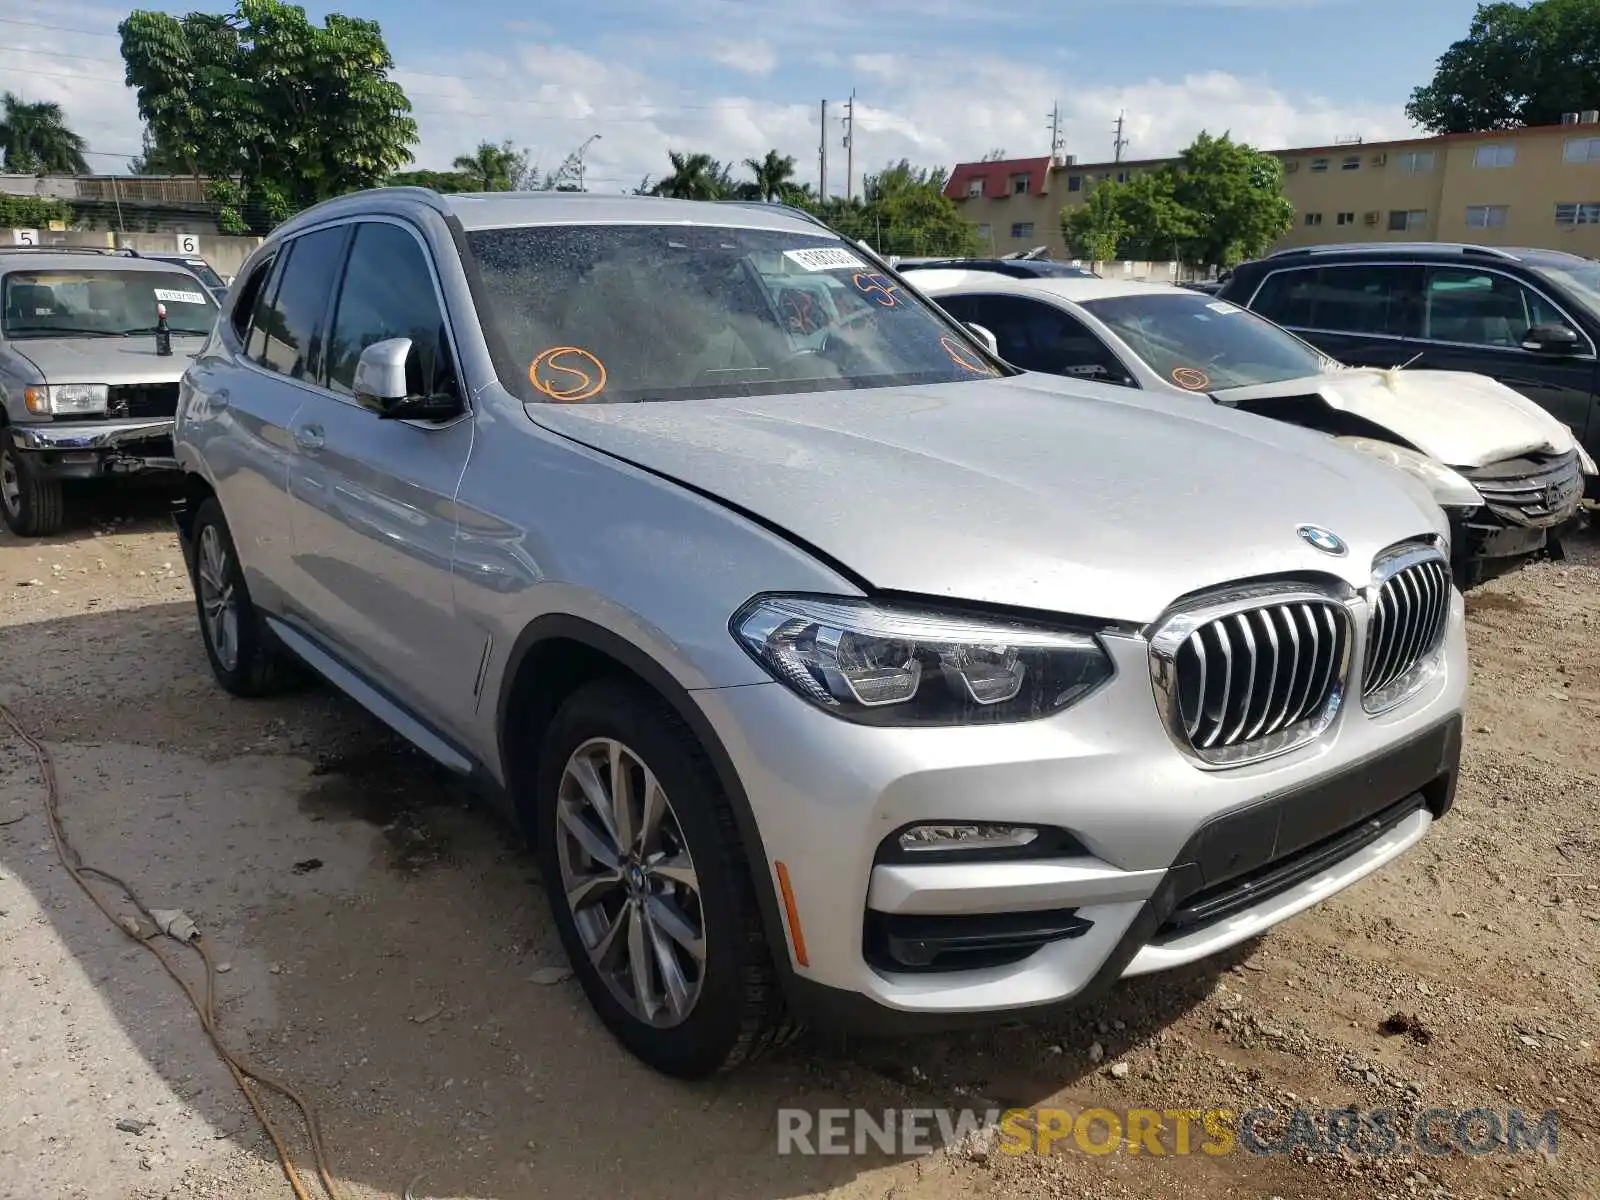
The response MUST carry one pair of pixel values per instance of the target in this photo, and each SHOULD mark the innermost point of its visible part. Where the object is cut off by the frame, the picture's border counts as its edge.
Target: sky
(935, 81)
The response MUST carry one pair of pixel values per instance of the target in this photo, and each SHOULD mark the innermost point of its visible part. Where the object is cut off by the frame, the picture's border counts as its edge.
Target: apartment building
(1536, 186)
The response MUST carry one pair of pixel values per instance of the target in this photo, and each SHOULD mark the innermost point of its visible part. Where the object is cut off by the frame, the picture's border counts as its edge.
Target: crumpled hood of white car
(1461, 419)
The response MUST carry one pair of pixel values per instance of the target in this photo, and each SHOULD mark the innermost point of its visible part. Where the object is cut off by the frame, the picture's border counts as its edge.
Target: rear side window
(250, 295)
(288, 327)
(1039, 337)
(1383, 300)
(388, 292)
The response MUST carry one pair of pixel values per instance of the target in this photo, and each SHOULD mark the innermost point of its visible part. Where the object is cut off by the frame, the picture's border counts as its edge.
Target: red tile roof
(996, 177)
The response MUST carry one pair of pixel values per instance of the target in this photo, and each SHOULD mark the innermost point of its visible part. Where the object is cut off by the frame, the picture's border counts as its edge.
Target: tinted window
(1040, 337)
(1481, 308)
(1202, 345)
(251, 295)
(1353, 299)
(288, 326)
(608, 313)
(89, 303)
(388, 292)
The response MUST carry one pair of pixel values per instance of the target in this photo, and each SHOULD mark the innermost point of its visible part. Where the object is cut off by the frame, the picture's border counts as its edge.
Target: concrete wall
(225, 254)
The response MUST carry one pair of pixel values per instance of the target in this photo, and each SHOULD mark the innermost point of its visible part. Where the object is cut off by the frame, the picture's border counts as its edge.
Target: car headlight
(67, 399)
(1449, 488)
(892, 665)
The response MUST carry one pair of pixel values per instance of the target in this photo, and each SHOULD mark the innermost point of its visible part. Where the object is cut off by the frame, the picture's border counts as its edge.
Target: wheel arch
(554, 656)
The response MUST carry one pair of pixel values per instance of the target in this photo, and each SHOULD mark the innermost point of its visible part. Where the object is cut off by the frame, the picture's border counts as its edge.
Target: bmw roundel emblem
(1323, 539)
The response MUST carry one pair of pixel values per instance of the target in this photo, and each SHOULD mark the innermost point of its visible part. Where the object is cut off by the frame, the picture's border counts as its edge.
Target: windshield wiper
(60, 331)
(153, 329)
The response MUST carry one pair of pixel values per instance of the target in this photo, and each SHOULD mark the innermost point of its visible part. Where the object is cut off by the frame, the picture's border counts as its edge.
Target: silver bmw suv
(838, 672)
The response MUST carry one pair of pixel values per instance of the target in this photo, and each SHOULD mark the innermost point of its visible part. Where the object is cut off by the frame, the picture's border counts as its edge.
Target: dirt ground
(384, 942)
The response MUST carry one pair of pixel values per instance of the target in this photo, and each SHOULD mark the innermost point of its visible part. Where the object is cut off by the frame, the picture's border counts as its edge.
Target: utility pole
(1057, 139)
(822, 155)
(579, 153)
(850, 145)
(1121, 142)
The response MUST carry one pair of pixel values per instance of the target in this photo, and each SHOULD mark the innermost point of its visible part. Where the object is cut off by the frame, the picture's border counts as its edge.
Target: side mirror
(1551, 339)
(986, 337)
(380, 384)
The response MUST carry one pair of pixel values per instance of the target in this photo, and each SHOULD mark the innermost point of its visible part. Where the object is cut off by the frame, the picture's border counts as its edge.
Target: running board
(370, 698)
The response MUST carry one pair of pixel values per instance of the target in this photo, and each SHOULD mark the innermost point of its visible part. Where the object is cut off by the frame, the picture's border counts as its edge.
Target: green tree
(438, 181)
(295, 112)
(497, 168)
(772, 176)
(903, 210)
(159, 159)
(695, 176)
(1159, 225)
(35, 139)
(1234, 197)
(31, 212)
(1520, 64)
(1096, 229)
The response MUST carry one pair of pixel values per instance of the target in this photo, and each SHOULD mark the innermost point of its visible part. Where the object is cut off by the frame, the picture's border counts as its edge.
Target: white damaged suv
(836, 670)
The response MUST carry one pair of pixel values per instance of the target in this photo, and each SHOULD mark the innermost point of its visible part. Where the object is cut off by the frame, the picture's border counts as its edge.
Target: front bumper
(83, 449)
(1173, 864)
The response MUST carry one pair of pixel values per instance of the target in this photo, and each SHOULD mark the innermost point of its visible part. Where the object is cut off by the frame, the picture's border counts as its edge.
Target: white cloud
(932, 107)
(753, 57)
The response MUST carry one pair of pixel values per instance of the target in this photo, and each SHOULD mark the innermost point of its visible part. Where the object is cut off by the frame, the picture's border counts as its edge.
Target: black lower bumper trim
(1225, 851)
(898, 942)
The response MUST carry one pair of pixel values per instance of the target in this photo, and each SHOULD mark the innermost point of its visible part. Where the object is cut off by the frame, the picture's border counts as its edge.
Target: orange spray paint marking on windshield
(880, 289)
(964, 358)
(567, 374)
(1191, 378)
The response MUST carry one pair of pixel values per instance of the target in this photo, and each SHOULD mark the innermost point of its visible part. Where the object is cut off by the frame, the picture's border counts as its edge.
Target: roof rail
(119, 250)
(1392, 247)
(769, 205)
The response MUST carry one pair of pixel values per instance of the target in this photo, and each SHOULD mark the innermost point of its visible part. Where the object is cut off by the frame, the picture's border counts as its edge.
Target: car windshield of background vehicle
(618, 313)
(1582, 283)
(207, 276)
(1207, 345)
(58, 304)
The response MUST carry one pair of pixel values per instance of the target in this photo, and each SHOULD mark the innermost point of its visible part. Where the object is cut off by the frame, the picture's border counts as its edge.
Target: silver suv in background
(85, 388)
(836, 670)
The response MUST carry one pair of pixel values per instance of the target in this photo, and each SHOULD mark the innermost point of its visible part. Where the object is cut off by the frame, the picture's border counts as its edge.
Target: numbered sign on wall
(25, 237)
(188, 243)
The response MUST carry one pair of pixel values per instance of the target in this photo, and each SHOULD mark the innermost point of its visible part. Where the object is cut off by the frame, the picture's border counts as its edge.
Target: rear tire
(653, 887)
(33, 505)
(242, 655)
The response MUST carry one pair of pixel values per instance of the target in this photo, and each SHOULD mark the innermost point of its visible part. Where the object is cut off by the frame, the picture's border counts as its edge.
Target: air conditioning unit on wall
(1370, 218)
(1380, 160)
(1290, 167)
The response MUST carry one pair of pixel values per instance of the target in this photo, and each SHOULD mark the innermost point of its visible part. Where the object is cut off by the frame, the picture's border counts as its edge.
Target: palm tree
(35, 138)
(694, 177)
(774, 175)
(493, 168)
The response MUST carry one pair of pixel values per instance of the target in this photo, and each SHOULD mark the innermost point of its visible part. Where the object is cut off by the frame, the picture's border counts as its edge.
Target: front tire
(649, 887)
(236, 640)
(33, 505)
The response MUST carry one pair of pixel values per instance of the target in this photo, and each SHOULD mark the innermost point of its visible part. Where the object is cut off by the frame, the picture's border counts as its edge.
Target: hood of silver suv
(1087, 500)
(112, 360)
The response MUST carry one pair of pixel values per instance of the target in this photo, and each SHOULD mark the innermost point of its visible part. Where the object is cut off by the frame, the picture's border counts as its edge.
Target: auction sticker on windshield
(1221, 306)
(172, 297)
(825, 258)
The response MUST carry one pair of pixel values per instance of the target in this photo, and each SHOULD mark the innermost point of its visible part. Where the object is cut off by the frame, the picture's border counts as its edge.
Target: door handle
(309, 438)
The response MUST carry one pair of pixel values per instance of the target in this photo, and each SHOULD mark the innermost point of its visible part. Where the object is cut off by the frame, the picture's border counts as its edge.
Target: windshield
(207, 276)
(1206, 345)
(1582, 281)
(615, 313)
(90, 303)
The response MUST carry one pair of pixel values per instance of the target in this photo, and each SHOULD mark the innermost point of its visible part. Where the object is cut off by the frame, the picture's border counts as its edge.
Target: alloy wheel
(630, 883)
(10, 483)
(218, 605)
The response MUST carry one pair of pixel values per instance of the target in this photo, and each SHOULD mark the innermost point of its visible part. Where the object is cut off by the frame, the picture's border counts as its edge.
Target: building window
(1347, 218)
(1019, 185)
(985, 233)
(1416, 160)
(1582, 150)
(1313, 219)
(1074, 183)
(1487, 216)
(1122, 177)
(1021, 229)
(1352, 162)
(1319, 164)
(1578, 214)
(1498, 154)
(974, 188)
(1407, 220)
